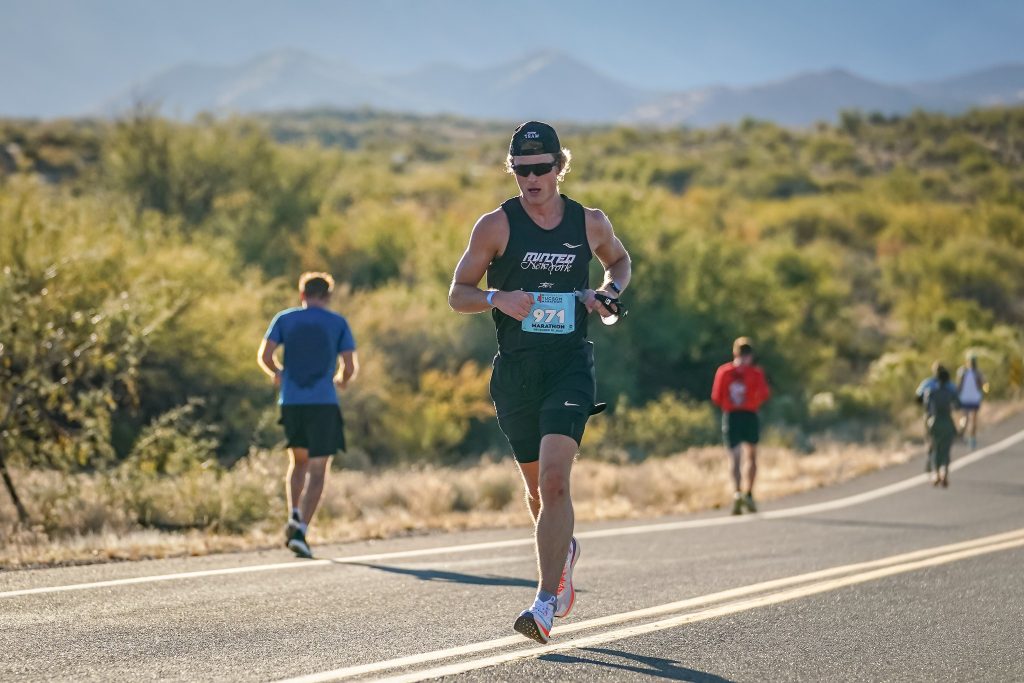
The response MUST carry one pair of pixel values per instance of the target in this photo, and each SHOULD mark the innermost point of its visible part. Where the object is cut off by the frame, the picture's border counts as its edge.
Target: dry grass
(90, 519)
(361, 505)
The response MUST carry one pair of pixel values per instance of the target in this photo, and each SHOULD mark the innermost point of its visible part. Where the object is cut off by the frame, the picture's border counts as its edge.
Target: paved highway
(882, 578)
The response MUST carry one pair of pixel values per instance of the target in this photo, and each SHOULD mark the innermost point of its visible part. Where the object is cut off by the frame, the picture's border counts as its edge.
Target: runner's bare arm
(487, 242)
(348, 370)
(266, 361)
(609, 251)
(265, 358)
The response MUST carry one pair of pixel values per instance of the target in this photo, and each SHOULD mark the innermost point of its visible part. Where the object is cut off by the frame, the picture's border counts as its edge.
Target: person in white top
(972, 387)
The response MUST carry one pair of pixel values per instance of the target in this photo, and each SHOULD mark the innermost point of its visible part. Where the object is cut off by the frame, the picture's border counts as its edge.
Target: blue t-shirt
(312, 338)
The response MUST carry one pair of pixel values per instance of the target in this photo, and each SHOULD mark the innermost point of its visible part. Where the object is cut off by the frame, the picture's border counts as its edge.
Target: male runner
(739, 390)
(313, 338)
(536, 250)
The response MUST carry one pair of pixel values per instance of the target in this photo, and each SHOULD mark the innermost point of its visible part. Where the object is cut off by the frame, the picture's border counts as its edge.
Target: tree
(70, 342)
(61, 376)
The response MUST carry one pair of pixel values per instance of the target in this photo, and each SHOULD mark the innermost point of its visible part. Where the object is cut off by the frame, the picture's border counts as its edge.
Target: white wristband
(490, 297)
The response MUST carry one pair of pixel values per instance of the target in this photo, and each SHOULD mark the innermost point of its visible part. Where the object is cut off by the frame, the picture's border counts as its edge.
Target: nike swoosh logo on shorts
(572, 246)
(576, 405)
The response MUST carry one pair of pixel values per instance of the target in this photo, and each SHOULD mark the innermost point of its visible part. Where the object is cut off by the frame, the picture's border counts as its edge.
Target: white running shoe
(535, 623)
(566, 593)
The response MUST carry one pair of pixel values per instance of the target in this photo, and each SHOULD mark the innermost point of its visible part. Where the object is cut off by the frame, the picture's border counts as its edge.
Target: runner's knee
(318, 471)
(554, 484)
(298, 469)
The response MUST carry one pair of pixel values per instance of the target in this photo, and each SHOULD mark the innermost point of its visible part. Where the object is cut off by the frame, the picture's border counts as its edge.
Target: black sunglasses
(538, 170)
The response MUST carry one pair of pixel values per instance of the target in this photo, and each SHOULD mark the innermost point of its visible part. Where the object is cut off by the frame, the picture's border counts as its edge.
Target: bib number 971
(552, 313)
(549, 316)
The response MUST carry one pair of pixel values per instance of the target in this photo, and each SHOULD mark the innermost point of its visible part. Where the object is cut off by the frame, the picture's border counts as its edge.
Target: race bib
(552, 313)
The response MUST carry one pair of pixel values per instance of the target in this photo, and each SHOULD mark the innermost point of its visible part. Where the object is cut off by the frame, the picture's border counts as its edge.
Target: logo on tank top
(552, 263)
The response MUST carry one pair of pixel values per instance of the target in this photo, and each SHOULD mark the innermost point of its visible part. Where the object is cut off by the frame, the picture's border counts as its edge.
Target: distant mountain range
(552, 86)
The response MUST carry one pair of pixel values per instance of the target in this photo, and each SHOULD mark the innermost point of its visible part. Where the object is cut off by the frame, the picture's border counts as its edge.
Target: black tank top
(544, 261)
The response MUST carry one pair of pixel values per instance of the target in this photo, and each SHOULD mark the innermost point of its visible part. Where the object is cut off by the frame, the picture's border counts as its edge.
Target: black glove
(613, 306)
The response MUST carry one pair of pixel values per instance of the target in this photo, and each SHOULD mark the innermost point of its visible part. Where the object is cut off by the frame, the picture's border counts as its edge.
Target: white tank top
(969, 392)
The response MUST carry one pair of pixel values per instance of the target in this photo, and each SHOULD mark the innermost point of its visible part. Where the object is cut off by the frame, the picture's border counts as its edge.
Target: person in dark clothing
(930, 383)
(940, 401)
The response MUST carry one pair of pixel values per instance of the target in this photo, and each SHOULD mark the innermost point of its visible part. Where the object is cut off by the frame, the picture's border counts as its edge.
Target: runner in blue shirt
(973, 387)
(313, 338)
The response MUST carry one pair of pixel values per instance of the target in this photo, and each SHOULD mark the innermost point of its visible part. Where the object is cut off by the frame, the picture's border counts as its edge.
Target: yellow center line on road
(865, 568)
(801, 510)
(702, 615)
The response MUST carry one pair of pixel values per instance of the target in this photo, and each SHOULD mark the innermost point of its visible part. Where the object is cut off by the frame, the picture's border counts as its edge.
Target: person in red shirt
(740, 389)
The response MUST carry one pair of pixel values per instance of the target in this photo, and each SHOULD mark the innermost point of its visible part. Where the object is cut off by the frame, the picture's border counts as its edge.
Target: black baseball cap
(534, 137)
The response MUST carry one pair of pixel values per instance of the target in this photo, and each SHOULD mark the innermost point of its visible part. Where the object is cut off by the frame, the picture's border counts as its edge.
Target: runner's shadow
(649, 666)
(448, 577)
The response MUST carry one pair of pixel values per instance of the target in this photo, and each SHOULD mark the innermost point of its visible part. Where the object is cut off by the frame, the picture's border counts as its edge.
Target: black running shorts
(543, 393)
(740, 426)
(316, 427)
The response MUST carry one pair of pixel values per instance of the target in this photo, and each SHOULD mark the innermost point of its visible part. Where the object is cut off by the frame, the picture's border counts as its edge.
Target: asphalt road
(911, 583)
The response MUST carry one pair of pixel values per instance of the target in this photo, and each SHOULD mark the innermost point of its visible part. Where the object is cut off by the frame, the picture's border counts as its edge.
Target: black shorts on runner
(316, 427)
(740, 426)
(543, 393)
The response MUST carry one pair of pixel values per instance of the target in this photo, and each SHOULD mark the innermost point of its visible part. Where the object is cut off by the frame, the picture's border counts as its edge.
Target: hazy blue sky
(68, 55)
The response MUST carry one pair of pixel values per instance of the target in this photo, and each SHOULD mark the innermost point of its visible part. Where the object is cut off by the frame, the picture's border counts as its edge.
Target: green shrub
(663, 426)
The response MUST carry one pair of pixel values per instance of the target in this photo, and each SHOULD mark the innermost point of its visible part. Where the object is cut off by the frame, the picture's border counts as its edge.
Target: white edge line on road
(814, 508)
(701, 615)
(658, 610)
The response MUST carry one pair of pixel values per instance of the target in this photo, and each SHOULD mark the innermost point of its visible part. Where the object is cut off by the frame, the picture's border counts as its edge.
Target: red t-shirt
(739, 387)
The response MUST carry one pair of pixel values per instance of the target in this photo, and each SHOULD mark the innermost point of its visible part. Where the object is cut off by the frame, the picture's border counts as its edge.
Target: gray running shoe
(297, 544)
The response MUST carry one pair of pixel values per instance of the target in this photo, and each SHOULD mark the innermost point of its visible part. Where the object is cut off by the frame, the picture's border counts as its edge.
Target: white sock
(296, 515)
(302, 527)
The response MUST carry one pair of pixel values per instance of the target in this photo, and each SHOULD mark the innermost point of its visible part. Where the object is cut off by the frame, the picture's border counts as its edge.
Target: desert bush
(663, 426)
